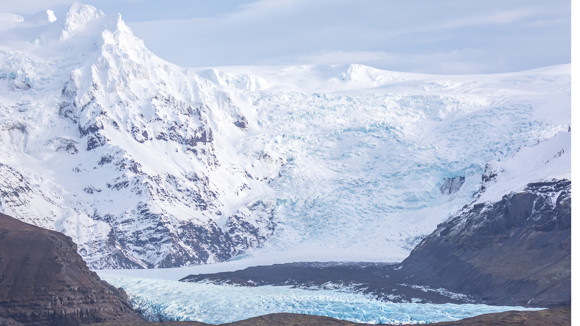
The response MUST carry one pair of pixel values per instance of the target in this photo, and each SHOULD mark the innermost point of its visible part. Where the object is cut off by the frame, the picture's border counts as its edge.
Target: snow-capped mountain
(146, 164)
(113, 146)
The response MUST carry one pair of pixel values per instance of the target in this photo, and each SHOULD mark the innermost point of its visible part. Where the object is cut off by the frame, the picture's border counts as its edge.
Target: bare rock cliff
(43, 281)
(516, 251)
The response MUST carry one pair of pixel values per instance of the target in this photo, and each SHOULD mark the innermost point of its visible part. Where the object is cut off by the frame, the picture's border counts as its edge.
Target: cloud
(544, 23)
(413, 35)
(466, 61)
(30, 7)
(500, 18)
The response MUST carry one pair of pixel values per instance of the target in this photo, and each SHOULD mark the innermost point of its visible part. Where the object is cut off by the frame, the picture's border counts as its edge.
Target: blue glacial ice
(363, 171)
(162, 300)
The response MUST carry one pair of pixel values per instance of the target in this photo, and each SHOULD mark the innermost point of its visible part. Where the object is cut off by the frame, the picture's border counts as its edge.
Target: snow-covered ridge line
(146, 164)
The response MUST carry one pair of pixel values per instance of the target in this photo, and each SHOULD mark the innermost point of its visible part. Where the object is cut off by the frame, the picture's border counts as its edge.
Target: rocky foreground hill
(552, 317)
(43, 281)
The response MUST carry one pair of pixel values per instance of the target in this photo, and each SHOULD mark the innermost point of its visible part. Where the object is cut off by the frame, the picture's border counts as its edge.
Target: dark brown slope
(43, 281)
(553, 317)
(516, 251)
(280, 319)
(561, 316)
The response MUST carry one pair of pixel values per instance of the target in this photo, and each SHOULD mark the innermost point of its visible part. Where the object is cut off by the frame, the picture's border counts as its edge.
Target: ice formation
(146, 164)
(161, 300)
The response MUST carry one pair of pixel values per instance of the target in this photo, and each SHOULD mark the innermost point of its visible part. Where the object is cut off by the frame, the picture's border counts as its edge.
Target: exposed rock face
(251, 227)
(43, 281)
(516, 251)
(451, 185)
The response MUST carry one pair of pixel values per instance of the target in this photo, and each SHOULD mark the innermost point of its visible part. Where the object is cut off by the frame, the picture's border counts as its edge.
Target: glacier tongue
(146, 164)
(216, 304)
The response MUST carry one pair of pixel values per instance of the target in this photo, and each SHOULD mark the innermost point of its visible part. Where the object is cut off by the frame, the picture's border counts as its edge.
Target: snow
(217, 304)
(547, 160)
(349, 158)
(124, 152)
(12, 18)
(42, 18)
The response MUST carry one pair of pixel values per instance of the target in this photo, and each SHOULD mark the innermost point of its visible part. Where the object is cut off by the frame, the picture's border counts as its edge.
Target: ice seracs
(172, 300)
(178, 167)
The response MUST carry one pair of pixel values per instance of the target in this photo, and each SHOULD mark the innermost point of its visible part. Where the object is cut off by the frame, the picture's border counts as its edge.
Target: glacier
(147, 165)
(165, 300)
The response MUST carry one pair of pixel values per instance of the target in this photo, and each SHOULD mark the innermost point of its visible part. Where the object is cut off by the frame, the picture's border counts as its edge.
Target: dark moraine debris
(43, 281)
(379, 279)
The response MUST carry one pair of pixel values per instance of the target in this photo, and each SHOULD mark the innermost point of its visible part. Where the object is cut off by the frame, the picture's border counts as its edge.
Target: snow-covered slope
(146, 164)
(117, 148)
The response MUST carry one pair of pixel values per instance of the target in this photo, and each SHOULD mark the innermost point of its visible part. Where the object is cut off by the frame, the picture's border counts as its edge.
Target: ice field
(311, 162)
(216, 304)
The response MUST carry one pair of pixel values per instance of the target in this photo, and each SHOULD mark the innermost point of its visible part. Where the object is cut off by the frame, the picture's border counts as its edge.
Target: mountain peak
(77, 16)
(42, 18)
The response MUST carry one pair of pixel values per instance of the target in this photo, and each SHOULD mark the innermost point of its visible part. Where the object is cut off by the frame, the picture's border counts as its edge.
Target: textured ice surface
(216, 304)
(103, 143)
(364, 166)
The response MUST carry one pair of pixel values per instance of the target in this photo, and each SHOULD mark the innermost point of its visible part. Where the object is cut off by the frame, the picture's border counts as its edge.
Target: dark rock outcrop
(516, 251)
(43, 281)
(451, 185)
(378, 279)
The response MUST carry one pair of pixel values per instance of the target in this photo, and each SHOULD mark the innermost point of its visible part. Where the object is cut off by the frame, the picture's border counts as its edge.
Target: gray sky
(433, 36)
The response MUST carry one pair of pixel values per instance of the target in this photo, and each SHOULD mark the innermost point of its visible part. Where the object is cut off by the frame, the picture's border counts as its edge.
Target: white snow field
(218, 304)
(147, 164)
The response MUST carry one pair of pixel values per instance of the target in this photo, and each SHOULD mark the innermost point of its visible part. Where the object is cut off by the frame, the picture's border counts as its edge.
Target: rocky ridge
(516, 251)
(43, 281)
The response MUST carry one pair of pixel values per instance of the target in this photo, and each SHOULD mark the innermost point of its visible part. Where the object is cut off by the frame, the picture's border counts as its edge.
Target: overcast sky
(433, 36)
